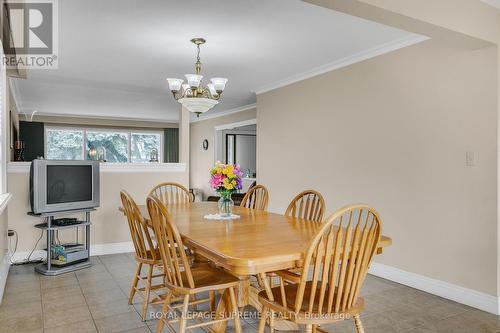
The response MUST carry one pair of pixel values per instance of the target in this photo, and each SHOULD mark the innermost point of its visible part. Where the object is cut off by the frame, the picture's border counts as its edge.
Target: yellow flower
(228, 185)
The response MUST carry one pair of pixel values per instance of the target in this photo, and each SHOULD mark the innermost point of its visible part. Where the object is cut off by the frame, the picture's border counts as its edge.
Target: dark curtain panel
(33, 134)
(171, 151)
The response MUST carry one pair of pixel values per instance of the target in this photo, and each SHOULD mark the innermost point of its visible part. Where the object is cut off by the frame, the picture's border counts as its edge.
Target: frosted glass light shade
(219, 83)
(185, 86)
(174, 84)
(194, 80)
(198, 105)
(211, 88)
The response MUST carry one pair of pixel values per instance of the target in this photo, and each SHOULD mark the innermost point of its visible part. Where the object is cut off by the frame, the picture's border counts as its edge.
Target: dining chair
(191, 280)
(307, 205)
(146, 252)
(172, 193)
(257, 197)
(335, 267)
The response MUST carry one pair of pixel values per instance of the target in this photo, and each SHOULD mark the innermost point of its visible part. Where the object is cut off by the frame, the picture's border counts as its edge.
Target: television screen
(69, 183)
(57, 186)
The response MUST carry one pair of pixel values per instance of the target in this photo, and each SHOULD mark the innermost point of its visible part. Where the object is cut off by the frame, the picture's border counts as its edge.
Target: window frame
(127, 131)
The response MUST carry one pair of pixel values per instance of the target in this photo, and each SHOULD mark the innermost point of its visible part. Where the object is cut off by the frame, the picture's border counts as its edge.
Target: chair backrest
(139, 230)
(307, 205)
(171, 193)
(170, 244)
(256, 197)
(337, 261)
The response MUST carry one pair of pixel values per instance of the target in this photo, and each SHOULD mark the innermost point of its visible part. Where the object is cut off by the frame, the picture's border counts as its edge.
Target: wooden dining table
(256, 243)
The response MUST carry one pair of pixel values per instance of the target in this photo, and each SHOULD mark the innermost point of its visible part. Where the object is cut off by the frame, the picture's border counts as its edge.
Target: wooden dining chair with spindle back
(335, 267)
(308, 205)
(172, 193)
(189, 280)
(146, 252)
(257, 197)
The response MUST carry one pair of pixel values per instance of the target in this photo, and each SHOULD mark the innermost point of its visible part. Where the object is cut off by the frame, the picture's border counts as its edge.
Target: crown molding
(344, 62)
(237, 124)
(14, 90)
(65, 115)
(225, 113)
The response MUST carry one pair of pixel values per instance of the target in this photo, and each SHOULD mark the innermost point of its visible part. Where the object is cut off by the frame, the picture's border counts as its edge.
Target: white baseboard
(95, 250)
(111, 248)
(470, 297)
(4, 272)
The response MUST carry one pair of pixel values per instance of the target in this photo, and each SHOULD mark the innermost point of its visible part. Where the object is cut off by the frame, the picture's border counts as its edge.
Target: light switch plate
(470, 158)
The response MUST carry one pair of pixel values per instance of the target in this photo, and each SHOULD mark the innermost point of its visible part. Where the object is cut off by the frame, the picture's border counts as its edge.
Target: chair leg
(235, 310)
(263, 319)
(183, 321)
(164, 313)
(133, 289)
(194, 299)
(271, 321)
(147, 291)
(359, 325)
(211, 295)
(309, 328)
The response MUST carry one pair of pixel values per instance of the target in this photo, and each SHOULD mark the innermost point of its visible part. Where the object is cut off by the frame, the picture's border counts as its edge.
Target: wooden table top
(257, 242)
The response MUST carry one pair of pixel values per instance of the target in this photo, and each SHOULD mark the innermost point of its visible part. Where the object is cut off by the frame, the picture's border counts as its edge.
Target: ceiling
(494, 3)
(114, 55)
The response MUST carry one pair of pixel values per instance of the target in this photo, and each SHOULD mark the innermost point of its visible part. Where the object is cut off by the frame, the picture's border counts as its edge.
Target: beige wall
(202, 160)
(109, 225)
(393, 132)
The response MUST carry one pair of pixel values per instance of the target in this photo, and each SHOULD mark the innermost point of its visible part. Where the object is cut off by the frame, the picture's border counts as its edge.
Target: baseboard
(4, 272)
(470, 297)
(95, 250)
(111, 248)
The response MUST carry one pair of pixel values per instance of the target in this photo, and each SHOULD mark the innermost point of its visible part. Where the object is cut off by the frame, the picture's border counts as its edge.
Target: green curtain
(171, 150)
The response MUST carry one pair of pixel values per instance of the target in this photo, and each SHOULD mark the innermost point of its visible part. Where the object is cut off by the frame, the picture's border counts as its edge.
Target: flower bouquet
(225, 180)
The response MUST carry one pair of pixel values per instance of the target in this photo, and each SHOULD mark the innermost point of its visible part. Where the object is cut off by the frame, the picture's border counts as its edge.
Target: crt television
(63, 185)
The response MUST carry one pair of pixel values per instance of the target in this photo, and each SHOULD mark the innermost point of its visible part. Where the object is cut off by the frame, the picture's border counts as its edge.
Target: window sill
(4, 201)
(24, 167)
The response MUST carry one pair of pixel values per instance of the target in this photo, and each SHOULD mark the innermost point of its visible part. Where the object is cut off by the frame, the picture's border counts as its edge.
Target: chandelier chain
(198, 61)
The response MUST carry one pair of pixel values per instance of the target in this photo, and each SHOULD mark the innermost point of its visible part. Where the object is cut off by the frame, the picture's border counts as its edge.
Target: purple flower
(239, 183)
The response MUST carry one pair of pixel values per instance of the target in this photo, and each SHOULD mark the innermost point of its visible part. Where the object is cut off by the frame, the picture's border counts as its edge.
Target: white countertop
(24, 167)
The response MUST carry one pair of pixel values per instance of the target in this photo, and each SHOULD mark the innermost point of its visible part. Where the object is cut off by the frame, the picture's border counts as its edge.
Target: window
(64, 144)
(117, 146)
(142, 144)
(114, 145)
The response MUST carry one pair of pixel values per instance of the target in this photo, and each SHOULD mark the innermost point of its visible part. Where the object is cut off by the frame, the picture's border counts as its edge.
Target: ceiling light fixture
(193, 95)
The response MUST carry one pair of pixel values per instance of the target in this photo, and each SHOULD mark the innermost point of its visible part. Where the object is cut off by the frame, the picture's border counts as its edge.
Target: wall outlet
(470, 158)
(10, 233)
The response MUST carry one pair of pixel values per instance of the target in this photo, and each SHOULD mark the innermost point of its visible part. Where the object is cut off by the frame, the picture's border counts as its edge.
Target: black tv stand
(48, 268)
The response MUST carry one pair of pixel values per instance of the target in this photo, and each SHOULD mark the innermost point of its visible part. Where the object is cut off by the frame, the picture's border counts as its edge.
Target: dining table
(255, 243)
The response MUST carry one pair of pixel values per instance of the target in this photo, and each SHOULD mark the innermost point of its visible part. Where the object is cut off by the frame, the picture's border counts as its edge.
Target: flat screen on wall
(64, 185)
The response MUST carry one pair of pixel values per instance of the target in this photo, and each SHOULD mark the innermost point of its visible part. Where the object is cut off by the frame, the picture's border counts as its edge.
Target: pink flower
(216, 180)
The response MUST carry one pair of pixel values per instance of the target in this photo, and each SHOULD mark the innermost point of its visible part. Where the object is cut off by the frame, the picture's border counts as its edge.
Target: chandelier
(193, 95)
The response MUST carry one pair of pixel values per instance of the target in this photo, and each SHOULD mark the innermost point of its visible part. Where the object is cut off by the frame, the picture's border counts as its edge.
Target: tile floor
(95, 300)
